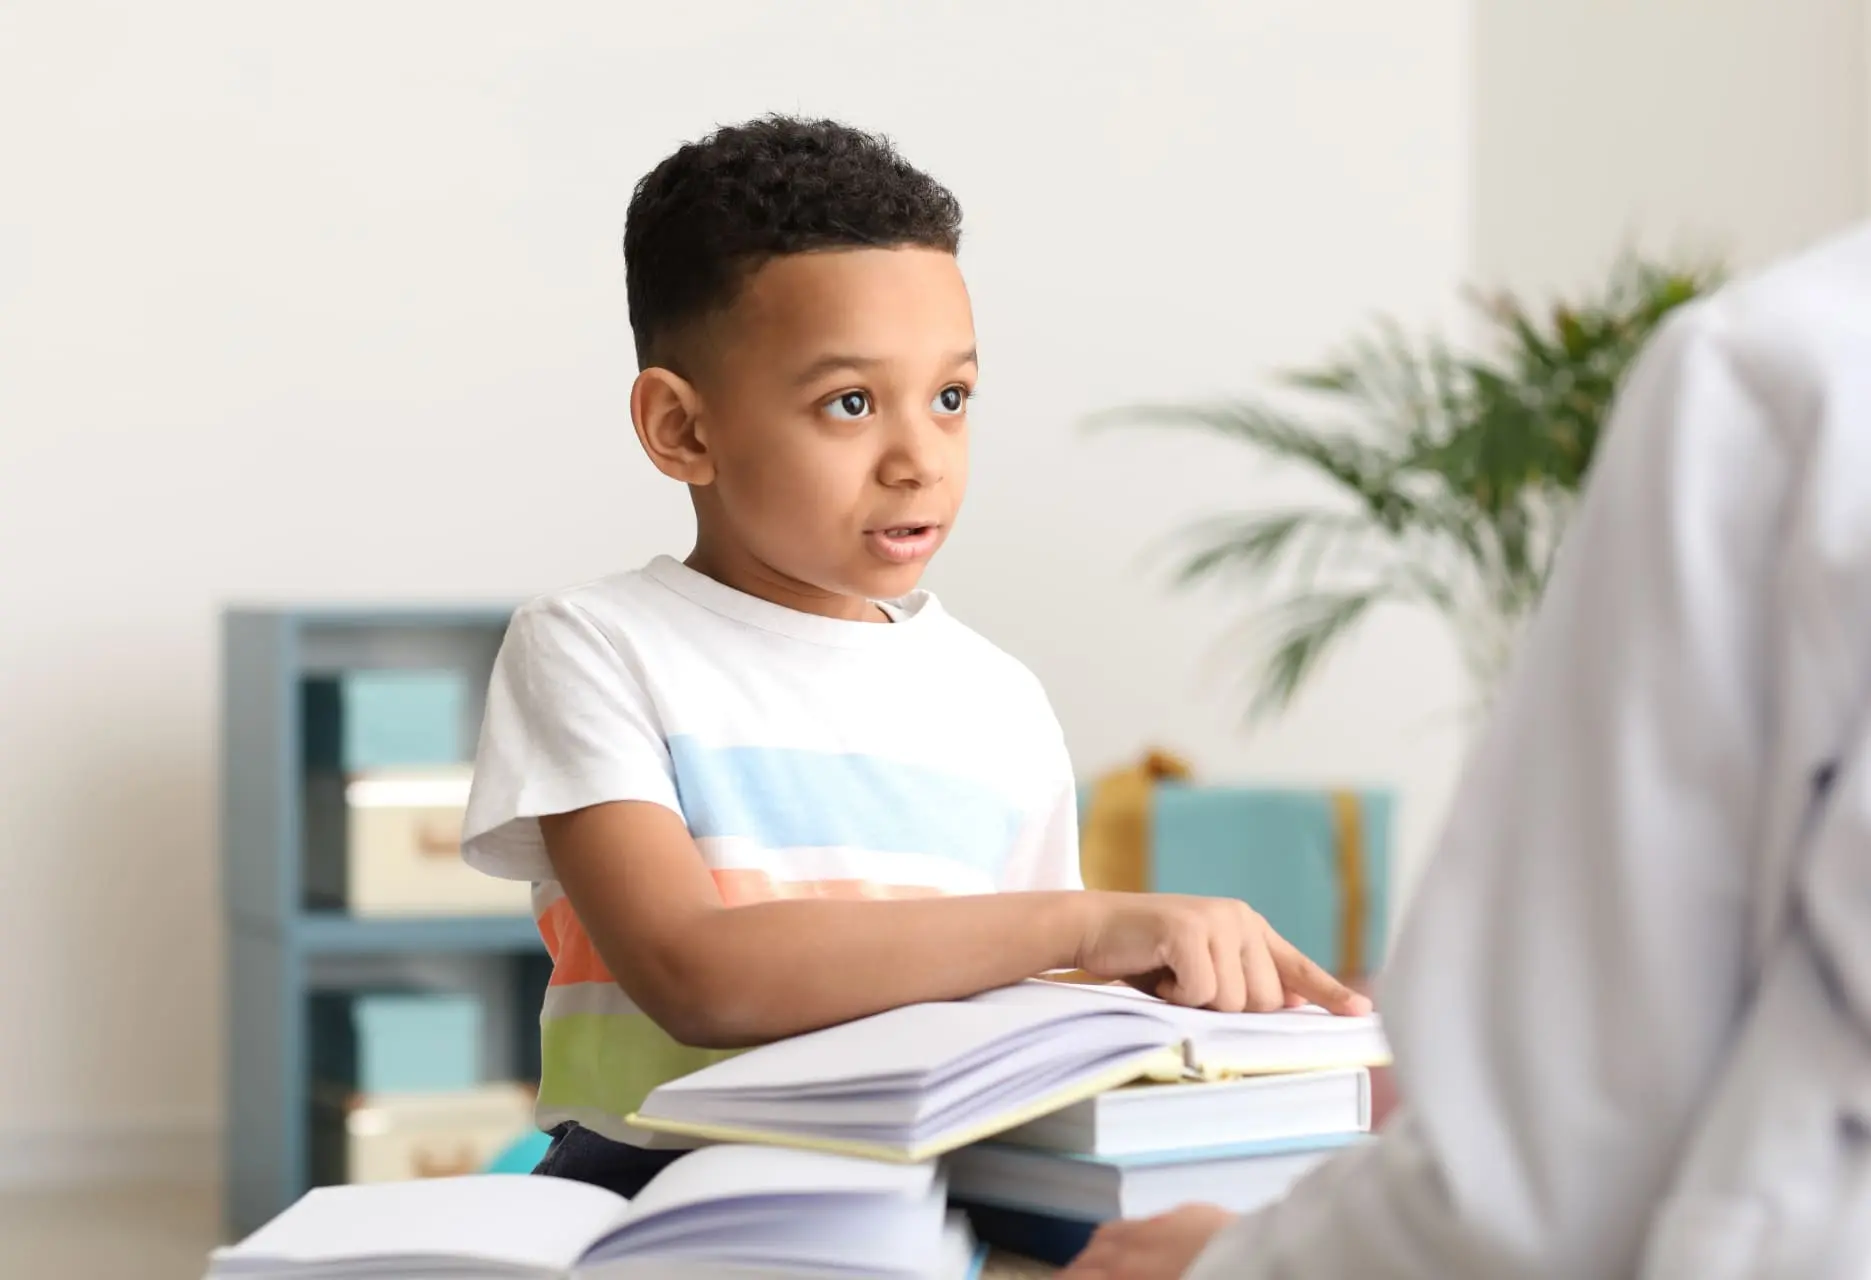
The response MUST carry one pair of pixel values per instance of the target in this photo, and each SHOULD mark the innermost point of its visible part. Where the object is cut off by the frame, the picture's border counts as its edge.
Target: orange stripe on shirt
(576, 959)
(738, 888)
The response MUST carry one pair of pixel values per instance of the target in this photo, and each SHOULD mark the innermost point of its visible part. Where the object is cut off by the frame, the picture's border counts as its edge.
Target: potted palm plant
(1448, 474)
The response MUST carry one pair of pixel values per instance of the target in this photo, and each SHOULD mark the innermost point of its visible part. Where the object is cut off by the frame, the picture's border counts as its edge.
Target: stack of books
(1237, 1141)
(1056, 1107)
(1044, 1108)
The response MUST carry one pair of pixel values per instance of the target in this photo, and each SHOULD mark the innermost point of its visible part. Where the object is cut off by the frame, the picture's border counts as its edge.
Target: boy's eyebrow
(839, 361)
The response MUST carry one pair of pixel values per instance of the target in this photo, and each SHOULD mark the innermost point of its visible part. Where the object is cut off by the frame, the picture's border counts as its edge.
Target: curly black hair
(717, 209)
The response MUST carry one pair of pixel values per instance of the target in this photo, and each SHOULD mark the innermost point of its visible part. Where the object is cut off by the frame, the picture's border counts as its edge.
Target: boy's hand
(1160, 1248)
(1211, 953)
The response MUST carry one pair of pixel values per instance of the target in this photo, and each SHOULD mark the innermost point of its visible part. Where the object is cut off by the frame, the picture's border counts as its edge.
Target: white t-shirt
(808, 756)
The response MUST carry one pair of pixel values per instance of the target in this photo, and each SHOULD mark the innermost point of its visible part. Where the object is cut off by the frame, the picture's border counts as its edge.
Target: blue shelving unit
(334, 933)
(280, 949)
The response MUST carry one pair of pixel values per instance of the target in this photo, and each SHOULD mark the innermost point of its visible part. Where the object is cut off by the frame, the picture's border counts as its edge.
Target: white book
(723, 1213)
(1222, 1045)
(1079, 1188)
(1141, 1118)
(926, 1079)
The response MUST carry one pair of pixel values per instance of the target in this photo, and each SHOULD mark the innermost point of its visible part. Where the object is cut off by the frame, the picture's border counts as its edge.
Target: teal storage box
(396, 1041)
(386, 719)
(1315, 863)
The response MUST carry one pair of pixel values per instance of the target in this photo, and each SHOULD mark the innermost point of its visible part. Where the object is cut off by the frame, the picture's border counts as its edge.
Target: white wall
(326, 302)
(1732, 127)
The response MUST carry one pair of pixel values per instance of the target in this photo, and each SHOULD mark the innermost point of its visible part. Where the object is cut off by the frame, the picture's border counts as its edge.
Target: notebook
(1102, 1188)
(723, 1213)
(916, 1082)
(1141, 1118)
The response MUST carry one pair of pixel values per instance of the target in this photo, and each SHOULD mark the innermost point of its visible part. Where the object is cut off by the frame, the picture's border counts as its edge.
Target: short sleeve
(568, 724)
(1045, 854)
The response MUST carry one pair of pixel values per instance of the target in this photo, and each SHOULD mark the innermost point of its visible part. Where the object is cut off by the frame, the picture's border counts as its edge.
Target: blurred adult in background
(1631, 1008)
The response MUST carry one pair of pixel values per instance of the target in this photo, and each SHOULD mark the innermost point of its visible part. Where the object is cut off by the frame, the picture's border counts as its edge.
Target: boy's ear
(665, 408)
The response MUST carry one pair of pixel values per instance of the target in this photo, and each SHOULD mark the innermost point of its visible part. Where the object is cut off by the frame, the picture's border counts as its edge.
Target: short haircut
(716, 210)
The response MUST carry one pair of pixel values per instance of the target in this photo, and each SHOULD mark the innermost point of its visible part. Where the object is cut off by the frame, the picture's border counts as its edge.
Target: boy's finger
(1193, 973)
(1231, 991)
(1266, 984)
(1304, 977)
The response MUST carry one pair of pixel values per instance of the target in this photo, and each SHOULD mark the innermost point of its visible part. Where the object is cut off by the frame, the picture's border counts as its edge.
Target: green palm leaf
(1306, 630)
(1457, 471)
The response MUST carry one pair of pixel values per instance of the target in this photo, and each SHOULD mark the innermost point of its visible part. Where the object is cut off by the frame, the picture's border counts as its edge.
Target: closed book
(1141, 1118)
(1104, 1188)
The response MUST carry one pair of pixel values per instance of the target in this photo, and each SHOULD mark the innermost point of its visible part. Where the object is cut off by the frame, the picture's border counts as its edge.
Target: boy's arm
(727, 977)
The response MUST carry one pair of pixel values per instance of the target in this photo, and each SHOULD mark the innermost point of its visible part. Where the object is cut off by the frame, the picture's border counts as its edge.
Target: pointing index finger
(1304, 977)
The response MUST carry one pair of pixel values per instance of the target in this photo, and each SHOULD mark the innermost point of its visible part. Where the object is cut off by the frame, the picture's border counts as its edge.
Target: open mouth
(902, 543)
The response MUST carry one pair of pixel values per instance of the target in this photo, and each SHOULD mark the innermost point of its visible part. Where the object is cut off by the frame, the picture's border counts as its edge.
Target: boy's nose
(914, 460)
(909, 474)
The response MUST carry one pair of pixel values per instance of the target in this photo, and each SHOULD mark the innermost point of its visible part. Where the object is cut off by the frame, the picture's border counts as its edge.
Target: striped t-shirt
(809, 757)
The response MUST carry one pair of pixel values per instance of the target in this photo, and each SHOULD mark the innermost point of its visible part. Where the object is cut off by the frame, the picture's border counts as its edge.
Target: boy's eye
(951, 400)
(850, 406)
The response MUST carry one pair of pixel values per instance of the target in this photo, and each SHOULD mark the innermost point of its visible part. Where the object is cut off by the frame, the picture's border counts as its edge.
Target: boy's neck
(750, 576)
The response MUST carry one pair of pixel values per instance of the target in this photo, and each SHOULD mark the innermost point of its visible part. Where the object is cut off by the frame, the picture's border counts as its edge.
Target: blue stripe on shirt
(790, 798)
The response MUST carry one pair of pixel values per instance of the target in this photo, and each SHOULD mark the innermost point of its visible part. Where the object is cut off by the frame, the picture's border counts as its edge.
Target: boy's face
(832, 411)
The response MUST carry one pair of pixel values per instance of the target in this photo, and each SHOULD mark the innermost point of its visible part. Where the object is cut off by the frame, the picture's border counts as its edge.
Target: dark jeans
(580, 1155)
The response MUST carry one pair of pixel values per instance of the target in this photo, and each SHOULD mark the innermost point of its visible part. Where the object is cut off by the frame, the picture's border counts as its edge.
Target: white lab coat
(1631, 1006)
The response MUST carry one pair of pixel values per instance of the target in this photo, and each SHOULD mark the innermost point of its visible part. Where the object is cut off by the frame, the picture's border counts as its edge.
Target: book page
(731, 1172)
(518, 1220)
(1222, 1044)
(903, 1045)
(1306, 1020)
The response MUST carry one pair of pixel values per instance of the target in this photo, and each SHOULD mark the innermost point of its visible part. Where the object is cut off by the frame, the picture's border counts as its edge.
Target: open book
(1219, 1046)
(724, 1213)
(927, 1079)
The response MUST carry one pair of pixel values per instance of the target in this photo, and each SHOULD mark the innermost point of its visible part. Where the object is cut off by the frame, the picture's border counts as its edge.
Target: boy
(775, 787)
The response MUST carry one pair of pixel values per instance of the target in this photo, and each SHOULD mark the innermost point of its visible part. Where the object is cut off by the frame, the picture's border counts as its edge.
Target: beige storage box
(399, 1136)
(388, 842)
